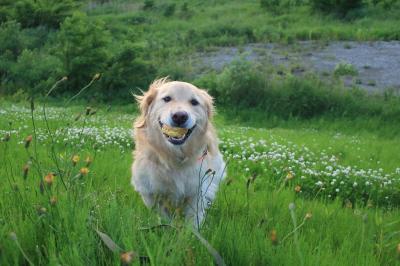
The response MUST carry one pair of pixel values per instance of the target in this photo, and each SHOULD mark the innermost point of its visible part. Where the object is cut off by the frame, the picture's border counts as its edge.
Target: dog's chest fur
(195, 180)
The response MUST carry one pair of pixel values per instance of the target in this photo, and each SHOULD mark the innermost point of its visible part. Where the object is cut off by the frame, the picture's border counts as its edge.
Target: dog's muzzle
(175, 135)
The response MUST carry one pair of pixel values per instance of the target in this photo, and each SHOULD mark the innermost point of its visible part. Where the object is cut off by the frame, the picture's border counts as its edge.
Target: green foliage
(127, 71)
(343, 69)
(148, 4)
(6, 10)
(82, 48)
(169, 41)
(245, 85)
(386, 4)
(336, 7)
(11, 39)
(249, 223)
(169, 9)
(11, 45)
(49, 13)
(240, 84)
(279, 6)
(36, 79)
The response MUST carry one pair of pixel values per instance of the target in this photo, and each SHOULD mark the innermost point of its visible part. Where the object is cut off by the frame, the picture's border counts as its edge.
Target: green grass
(251, 207)
(225, 23)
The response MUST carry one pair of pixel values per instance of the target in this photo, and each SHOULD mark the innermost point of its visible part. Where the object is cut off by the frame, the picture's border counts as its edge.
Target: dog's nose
(180, 118)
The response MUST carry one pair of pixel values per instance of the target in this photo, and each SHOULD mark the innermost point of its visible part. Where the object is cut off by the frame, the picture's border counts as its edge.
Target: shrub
(11, 45)
(240, 84)
(345, 69)
(127, 72)
(148, 4)
(169, 9)
(244, 85)
(6, 10)
(49, 13)
(337, 7)
(279, 6)
(11, 39)
(33, 78)
(82, 49)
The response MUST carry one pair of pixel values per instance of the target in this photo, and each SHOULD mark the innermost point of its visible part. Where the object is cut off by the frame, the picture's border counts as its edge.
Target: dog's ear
(209, 102)
(145, 101)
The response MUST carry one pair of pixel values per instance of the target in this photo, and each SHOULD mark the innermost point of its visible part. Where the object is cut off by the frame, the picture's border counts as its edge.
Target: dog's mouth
(175, 135)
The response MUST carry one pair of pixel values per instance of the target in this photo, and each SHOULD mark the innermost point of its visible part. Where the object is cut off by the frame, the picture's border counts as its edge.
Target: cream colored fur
(176, 179)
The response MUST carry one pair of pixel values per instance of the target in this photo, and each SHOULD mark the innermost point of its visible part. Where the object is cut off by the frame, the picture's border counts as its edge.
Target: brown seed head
(127, 257)
(25, 170)
(297, 188)
(49, 179)
(274, 237)
(75, 159)
(28, 141)
(53, 200)
(84, 171)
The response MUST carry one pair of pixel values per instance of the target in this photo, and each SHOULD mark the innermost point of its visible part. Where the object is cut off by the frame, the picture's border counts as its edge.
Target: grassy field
(313, 167)
(294, 195)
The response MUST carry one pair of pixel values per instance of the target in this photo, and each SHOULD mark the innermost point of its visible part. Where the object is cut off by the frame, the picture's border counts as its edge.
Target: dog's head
(175, 112)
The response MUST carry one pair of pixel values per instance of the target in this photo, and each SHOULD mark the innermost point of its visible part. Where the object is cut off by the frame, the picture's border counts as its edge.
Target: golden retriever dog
(177, 164)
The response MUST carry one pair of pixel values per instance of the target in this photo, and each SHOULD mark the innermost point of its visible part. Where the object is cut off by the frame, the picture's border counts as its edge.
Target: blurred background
(290, 58)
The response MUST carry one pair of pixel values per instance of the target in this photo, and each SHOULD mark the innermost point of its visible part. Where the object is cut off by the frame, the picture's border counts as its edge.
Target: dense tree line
(42, 41)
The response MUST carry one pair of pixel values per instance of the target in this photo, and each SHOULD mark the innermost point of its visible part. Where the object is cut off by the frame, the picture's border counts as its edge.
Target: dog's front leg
(194, 211)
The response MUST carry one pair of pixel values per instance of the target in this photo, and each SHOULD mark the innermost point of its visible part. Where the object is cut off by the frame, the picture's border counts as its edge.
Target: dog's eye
(194, 102)
(167, 99)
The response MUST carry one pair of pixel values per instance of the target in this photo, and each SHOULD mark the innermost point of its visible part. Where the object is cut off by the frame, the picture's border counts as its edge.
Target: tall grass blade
(108, 241)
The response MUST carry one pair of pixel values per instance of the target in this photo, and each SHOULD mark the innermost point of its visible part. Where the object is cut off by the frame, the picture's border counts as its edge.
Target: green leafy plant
(127, 71)
(345, 69)
(82, 49)
(33, 13)
(336, 7)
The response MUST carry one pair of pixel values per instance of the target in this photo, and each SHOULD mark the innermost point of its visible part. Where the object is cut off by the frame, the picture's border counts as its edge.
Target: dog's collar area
(176, 140)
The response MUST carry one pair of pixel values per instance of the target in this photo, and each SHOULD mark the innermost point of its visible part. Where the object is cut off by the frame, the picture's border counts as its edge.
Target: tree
(336, 7)
(82, 49)
(34, 78)
(127, 71)
(49, 13)
(11, 46)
